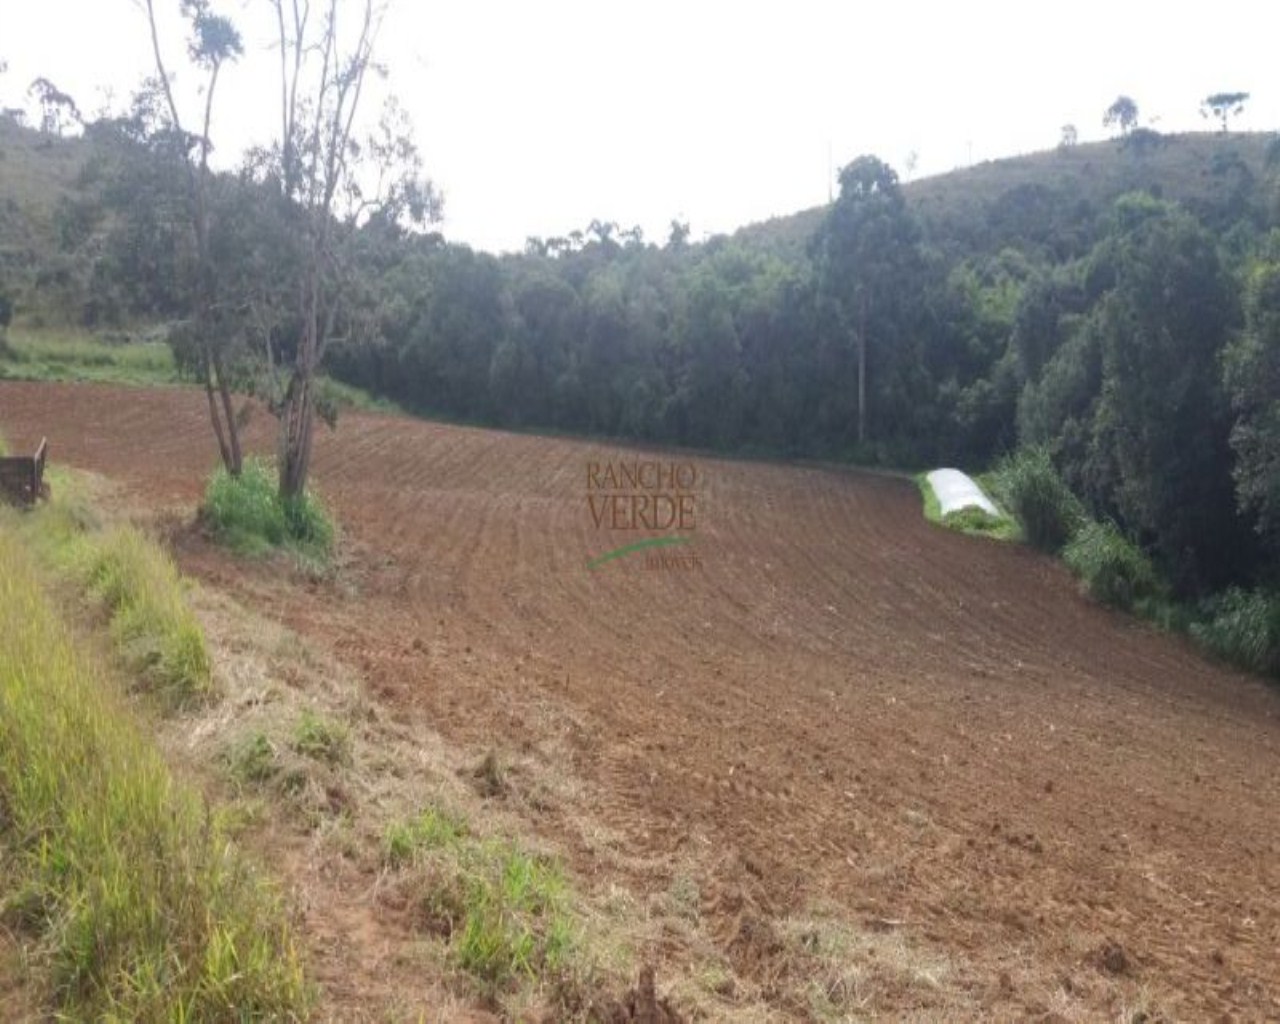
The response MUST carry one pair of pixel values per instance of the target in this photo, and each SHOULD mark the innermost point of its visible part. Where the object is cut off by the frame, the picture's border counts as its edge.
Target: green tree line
(1135, 339)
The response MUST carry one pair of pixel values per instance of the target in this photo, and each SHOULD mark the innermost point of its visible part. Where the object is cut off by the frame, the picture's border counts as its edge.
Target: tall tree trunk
(236, 462)
(295, 443)
(223, 449)
(295, 425)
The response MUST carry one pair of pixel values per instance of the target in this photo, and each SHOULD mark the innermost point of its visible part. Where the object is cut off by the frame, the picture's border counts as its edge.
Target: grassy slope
(969, 201)
(35, 173)
(128, 898)
(76, 355)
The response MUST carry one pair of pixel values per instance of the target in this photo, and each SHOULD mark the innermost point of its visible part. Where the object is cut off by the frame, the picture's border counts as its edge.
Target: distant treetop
(1123, 113)
(1223, 106)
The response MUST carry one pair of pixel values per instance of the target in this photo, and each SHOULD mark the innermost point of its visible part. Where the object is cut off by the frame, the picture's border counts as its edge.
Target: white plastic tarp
(957, 490)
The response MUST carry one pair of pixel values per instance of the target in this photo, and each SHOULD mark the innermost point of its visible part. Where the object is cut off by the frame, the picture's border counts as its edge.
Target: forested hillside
(1113, 303)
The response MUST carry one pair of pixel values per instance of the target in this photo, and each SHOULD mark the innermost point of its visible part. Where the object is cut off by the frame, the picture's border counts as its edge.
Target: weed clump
(1114, 570)
(322, 740)
(1243, 628)
(433, 829)
(503, 909)
(248, 514)
(252, 760)
(1029, 486)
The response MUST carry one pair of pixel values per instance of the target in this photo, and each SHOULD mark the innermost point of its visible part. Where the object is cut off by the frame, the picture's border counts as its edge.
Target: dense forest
(1115, 304)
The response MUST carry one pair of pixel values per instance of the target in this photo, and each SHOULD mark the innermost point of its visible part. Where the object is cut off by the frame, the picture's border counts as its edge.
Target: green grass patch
(117, 879)
(1242, 627)
(252, 760)
(1114, 570)
(322, 740)
(1028, 485)
(150, 619)
(249, 516)
(81, 356)
(334, 395)
(133, 579)
(433, 829)
(505, 911)
(972, 521)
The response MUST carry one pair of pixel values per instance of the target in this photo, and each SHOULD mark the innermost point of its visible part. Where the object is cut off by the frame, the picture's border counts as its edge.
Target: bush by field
(1029, 487)
(249, 515)
(1113, 569)
(1242, 627)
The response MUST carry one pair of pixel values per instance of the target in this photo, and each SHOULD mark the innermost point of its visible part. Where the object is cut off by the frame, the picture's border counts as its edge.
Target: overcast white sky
(536, 117)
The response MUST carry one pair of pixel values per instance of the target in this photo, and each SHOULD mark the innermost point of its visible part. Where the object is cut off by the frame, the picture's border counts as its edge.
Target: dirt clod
(1113, 959)
(641, 1005)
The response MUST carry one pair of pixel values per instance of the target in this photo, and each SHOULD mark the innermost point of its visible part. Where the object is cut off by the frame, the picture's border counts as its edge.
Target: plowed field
(1061, 812)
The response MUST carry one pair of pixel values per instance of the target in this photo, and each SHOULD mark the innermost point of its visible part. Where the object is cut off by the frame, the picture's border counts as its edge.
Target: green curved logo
(640, 545)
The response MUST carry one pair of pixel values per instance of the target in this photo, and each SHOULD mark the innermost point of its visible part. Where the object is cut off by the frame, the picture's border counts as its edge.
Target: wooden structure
(22, 478)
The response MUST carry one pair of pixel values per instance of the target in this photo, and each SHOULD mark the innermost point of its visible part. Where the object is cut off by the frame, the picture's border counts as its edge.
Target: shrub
(1242, 627)
(249, 515)
(321, 740)
(252, 759)
(1113, 569)
(507, 909)
(309, 523)
(1029, 486)
(432, 829)
(515, 921)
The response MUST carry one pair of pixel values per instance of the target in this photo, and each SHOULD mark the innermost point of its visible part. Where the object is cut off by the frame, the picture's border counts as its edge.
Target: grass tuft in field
(150, 619)
(249, 516)
(504, 910)
(252, 760)
(117, 878)
(321, 739)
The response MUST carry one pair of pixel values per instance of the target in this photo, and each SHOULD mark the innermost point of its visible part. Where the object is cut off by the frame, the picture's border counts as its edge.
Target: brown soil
(1037, 807)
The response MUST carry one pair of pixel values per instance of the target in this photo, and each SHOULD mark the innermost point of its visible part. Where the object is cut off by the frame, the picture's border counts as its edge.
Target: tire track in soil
(964, 743)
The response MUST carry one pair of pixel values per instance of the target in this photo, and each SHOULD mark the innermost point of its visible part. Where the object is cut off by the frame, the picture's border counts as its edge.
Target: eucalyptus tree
(331, 185)
(58, 111)
(1123, 113)
(868, 262)
(214, 41)
(1223, 106)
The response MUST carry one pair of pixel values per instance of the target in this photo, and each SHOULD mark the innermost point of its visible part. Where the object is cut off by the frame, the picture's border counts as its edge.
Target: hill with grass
(1052, 199)
(1048, 202)
(38, 174)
